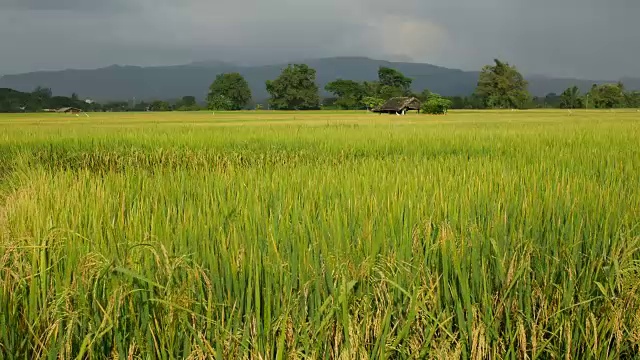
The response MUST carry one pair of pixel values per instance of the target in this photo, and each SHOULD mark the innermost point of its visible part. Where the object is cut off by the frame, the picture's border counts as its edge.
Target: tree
(370, 88)
(187, 103)
(330, 103)
(552, 100)
(229, 92)
(571, 98)
(141, 106)
(387, 92)
(57, 102)
(632, 99)
(42, 93)
(12, 100)
(424, 95)
(502, 86)
(117, 106)
(220, 102)
(294, 89)
(349, 93)
(607, 96)
(392, 78)
(458, 102)
(436, 105)
(39, 98)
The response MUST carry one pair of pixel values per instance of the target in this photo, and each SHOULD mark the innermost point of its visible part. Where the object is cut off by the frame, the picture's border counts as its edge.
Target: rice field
(320, 235)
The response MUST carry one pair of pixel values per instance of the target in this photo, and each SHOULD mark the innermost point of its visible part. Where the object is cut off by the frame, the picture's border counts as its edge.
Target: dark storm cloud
(584, 38)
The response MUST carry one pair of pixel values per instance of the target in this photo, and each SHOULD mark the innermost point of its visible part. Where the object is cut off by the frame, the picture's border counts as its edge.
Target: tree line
(500, 86)
(296, 89)
(40, 99)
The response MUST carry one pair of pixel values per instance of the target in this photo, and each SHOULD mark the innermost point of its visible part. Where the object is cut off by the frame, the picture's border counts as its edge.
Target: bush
(160, 106)
(436, 105)
(372, 102)
(189, 108)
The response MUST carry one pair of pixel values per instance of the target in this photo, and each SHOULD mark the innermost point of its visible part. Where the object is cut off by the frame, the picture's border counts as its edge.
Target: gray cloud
(65, 5)
(583, 38)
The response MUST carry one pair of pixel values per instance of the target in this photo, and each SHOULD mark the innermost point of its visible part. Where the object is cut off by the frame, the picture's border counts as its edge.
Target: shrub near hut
(436, 105)
(372, 103)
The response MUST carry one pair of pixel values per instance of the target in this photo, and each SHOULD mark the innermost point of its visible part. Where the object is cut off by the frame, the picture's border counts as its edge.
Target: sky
(590, 39)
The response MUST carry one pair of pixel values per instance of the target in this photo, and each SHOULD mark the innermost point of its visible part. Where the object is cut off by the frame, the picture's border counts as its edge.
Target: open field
(320, 235)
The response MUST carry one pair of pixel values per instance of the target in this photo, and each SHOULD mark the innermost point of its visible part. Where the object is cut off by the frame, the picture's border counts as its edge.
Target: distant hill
(631, 83)
(172, 82)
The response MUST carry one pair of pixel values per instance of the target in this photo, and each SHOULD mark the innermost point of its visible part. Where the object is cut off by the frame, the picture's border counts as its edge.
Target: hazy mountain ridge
(171, 82)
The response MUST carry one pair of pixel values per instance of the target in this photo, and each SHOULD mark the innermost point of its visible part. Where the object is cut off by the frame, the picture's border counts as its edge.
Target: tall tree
(229, 92)
(294, 89)
(40, 98)
(571, 98)
(393, 78)
(42, 92)
(502, 86)
(188, 101)
(387, 92)
(349, 93)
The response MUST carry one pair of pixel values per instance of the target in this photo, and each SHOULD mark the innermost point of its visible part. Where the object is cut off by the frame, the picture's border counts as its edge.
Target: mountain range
(172, 82)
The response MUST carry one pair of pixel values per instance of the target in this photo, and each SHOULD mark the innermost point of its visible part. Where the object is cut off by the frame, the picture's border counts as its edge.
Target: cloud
(412, 38)
(585, 38)
(65, 5)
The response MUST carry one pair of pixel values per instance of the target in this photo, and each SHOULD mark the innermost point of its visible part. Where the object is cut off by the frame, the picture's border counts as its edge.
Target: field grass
(320, 235)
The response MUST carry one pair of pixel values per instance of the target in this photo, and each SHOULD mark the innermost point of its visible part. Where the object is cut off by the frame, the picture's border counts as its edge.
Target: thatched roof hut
(69, 110)
(399, 105)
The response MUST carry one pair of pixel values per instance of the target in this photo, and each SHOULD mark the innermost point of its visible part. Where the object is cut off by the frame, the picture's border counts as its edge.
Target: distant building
(399, 105)
(69, 110)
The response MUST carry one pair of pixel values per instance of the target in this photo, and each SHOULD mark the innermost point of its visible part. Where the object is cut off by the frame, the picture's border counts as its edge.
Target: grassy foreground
(320, 236)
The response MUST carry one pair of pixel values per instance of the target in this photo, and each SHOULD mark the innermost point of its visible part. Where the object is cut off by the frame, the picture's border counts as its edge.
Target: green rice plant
(334, 235)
